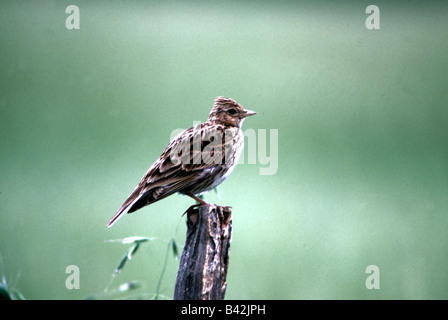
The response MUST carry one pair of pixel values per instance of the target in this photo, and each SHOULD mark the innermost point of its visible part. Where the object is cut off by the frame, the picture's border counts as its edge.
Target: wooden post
(205, 257)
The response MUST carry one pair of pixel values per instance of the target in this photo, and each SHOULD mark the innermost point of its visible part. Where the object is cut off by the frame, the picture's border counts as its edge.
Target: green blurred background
(362, 118)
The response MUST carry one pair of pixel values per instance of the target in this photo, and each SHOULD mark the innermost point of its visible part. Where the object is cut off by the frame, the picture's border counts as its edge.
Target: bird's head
(228, 112)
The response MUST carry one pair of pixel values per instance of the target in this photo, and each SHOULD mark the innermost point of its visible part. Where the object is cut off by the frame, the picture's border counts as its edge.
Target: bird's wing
(179, 166)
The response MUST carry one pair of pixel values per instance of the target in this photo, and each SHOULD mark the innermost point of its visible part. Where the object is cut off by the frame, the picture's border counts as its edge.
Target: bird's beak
(248, 113)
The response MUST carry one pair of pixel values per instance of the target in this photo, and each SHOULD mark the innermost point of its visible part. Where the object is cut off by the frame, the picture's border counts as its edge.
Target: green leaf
(130, 285)
(4, 293)
(18, 295)
(121, 264)
(135, 239)
(129, 240)
(174, 248)
(217, 193)
(133, 250)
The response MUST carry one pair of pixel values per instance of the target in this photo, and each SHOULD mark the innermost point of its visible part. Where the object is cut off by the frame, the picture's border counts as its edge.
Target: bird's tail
(128, 206)
(117, 216)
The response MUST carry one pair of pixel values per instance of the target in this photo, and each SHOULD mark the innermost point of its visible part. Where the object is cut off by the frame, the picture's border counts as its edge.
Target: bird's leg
(202, 202)
(193, 210)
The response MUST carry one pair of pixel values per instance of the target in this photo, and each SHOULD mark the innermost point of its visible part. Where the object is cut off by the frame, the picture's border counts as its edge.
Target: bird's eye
(232, 111)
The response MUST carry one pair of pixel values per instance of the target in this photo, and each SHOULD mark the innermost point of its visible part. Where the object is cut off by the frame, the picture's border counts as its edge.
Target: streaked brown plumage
(194, 162)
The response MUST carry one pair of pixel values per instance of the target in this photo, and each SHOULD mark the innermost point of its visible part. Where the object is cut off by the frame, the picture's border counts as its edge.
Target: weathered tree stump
(205, 257)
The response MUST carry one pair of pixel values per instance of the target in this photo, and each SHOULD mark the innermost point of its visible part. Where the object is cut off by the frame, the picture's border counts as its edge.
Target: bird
(195, 161)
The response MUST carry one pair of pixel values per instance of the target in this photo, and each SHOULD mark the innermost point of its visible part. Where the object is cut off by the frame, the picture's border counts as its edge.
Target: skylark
(196, 161)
